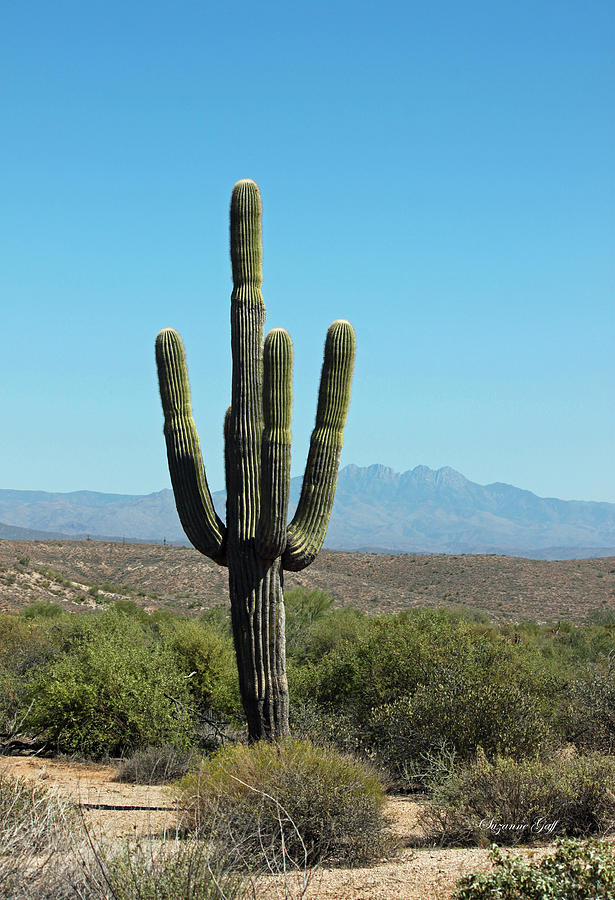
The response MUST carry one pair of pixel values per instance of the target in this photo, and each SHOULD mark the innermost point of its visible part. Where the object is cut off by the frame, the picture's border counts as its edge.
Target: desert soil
(113, 810)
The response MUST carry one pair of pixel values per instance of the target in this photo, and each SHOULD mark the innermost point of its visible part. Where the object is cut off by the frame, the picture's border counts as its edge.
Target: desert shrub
(458, 711)
(154, 765)
(327, 728)
(287, 805)
(425, 772)
(42, 609)
(126, 607)
(158, 617)
(208, 658)
(588, 710)
(303, 608)
(30, 816)
(579, 870)
(11, 701)
(219, 617)
(46, 855)
(412, 681)
(329, 630)
(568, 648)
(116, 681)
(514, 802)
(393, 655)
(602, 616)
(115, 691)
(140, 869)
(24, 646)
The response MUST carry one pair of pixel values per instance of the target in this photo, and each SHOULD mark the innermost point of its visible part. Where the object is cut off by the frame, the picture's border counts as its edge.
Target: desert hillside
(78, 574)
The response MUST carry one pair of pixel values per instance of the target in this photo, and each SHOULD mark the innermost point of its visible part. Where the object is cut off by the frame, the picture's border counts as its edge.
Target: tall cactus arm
(227, 454)
(306, 533)
(275, 445)
(245, 424)
(192, 496)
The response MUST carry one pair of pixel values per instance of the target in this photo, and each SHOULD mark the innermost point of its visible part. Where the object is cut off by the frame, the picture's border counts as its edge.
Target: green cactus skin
(256, 544)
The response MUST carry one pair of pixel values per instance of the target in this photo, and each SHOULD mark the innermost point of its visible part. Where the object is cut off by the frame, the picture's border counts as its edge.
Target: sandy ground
(112, 809)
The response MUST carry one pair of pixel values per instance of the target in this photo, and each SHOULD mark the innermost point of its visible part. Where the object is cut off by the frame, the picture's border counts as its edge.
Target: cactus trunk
(257, 606)
(256, 544)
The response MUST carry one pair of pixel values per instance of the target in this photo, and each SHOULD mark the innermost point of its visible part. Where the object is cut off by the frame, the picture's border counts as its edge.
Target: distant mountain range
(376, 509)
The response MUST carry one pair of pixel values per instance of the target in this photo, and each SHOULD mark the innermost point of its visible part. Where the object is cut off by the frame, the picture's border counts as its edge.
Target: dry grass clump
(287, 806)
(156, 870)
(154, 765)
(35, 827)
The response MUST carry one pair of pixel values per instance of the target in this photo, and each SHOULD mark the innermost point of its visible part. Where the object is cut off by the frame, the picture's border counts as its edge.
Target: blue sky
(439, 174)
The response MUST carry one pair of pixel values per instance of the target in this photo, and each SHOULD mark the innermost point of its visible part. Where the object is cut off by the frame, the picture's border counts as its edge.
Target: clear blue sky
(441, 174)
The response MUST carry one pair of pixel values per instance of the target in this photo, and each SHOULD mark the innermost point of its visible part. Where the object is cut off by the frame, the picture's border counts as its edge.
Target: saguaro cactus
(256, 543)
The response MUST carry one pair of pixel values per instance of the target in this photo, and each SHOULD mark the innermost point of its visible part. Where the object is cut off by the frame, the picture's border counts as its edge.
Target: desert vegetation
(402, 691)
(575, 869)
(505, 732)
(443, 703)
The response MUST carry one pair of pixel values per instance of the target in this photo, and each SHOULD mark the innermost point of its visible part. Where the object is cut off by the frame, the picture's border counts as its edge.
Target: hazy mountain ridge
(442, 511)
(150, 517)
(421, 510)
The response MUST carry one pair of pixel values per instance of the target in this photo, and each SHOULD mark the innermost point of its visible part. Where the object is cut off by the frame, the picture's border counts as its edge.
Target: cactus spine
(256, 543)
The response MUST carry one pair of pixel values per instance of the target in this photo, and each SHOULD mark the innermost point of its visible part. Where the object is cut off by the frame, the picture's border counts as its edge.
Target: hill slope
(181, 579)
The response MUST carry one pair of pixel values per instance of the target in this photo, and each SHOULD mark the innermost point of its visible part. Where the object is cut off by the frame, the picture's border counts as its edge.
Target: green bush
(575, 871)
(117, 690)
(287, 805)
(602, 616)
(27, 644)
(219, 617)
(116, 681)
(24, 646)
(42, 609)
(411, 682)
(513, 802)
(126, 607)
(393, 689)
(303, 608)
(327, 632)
(327, 728)
(393, 655)
(207, 661)
(460, 711)
(569, 648)
(588, 713)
